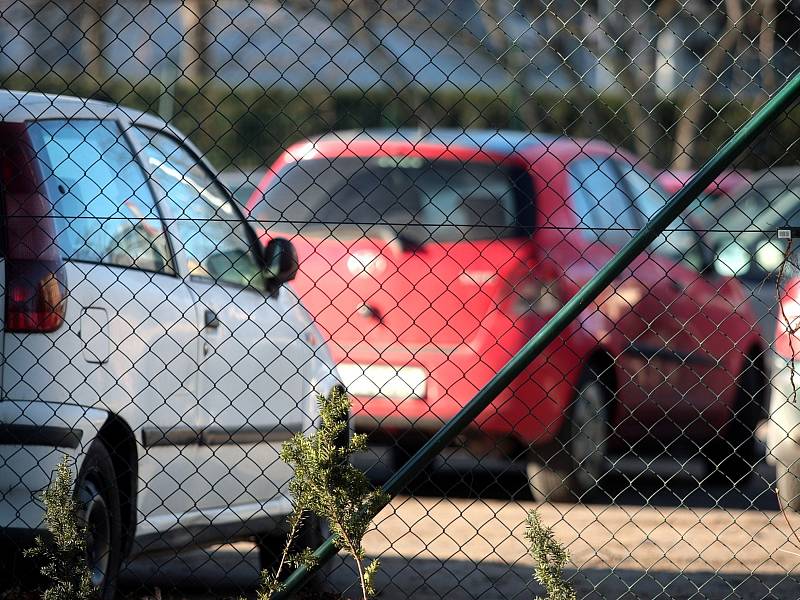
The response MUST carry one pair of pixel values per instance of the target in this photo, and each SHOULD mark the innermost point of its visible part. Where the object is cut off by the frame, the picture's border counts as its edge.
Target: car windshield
(705, 210)
(241, 184)
(441, 200)
(760, 212)
(242, 192)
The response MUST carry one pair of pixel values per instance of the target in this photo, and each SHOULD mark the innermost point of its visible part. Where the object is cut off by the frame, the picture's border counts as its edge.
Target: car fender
(34, 437)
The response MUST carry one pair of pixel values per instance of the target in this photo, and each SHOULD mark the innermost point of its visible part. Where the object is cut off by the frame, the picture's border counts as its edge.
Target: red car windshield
(420, 199)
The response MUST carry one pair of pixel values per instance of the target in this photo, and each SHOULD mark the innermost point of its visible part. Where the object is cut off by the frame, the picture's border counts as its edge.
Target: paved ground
(675, 541)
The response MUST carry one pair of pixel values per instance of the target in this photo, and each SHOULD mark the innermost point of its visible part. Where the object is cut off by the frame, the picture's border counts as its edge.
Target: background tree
(93, 14)
(195, 17)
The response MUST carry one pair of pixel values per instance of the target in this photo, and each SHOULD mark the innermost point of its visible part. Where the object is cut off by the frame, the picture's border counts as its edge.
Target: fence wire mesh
(216, 211)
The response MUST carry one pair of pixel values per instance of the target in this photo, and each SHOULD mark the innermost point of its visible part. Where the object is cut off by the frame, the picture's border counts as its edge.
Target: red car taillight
(35, 290)
(787, 336)
(35, 296)
(538, 296)
(537, 291)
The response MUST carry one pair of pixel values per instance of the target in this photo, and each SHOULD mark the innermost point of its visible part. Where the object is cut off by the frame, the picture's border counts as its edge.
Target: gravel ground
(470, 549)
(655, 541)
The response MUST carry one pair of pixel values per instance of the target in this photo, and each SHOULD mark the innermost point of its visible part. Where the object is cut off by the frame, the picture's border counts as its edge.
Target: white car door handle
(211, 320)
(94, 335)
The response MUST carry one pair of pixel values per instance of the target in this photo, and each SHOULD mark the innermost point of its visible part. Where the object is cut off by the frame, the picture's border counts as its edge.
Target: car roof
(730, 181)
(236, 176)
(496, 141)
(18, 106)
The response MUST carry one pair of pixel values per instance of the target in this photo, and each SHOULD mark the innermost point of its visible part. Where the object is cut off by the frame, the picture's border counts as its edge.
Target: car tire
(577, 459)
(731, 457)
(549, 483)
(14, 571)
(788, 485)
(98, 503)
(313, 532)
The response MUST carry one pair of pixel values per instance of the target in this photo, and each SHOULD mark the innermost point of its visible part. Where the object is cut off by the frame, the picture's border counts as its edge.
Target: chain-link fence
(216, 212)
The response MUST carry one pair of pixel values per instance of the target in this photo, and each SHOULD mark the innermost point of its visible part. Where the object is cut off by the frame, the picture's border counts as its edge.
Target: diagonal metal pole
(767, 114)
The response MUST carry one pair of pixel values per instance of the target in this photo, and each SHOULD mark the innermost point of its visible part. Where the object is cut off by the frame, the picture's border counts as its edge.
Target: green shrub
(550, 558)
(248, 126)
(327, 485)
(63, 554)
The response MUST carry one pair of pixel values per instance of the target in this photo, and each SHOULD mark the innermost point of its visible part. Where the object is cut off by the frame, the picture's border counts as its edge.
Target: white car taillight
(36, 296)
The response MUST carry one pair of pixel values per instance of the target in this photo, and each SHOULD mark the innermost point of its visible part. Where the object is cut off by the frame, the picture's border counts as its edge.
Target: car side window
(104, 210)
(679, 242)
(216, 243)
(599, 200)
(643, 191)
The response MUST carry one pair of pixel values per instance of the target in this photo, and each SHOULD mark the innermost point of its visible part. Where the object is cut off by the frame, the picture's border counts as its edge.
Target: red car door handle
(678, 286)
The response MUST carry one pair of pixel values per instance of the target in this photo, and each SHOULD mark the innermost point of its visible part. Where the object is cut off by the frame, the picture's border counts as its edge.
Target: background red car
(480, 238)
(726, 186)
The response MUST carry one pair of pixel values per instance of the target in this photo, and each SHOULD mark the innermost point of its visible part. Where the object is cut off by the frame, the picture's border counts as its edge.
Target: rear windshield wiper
(403, 241)
(352, 231)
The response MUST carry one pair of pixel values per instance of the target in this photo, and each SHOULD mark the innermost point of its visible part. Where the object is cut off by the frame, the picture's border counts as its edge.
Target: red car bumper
(530, 410)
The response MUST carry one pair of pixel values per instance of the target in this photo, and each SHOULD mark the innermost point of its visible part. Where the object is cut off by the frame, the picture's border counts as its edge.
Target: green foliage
(63, 555)
(550, 558)
(369, 576)
(271, 581)
(248, 126)
(327, 485)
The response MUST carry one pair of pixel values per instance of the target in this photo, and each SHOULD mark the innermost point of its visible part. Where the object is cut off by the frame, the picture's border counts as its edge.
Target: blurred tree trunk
(615, 56)
(367, 20)
(625, 47)
(514, 60)
(766, 43)
(561, 38)
(691, 123)
(631, 57)
(197, 38)
(567, 37)
(95, 37)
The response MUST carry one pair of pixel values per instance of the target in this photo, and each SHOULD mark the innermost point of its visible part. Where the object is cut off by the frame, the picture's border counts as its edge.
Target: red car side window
(603, 209)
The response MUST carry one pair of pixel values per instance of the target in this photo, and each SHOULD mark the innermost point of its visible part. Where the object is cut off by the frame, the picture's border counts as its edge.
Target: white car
(145, 335)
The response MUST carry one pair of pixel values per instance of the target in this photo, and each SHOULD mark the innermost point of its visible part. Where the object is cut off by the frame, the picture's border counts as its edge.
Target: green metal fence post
(782, 100)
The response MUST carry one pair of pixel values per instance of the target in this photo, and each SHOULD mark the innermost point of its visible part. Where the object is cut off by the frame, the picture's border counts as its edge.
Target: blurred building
(434, 45)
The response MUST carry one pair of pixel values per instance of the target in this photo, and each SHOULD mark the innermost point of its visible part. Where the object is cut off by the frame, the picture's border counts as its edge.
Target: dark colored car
(743, 237)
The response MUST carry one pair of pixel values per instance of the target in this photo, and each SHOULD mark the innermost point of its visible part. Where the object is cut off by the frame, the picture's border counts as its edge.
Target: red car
(728, 185)
(429, 259)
